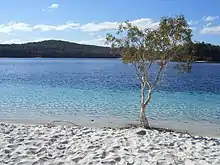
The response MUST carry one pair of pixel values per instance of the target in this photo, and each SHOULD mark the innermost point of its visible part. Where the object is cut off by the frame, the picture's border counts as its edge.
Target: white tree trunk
(143, 118)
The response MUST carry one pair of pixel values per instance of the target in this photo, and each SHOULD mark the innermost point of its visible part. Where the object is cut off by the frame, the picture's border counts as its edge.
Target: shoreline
(68, 144)
(203, 129)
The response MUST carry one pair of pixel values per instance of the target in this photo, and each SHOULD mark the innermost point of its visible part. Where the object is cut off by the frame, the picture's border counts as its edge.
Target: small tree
(144, 48)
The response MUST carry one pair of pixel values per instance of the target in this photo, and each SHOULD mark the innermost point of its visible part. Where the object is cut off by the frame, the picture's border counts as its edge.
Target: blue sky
(87, 21)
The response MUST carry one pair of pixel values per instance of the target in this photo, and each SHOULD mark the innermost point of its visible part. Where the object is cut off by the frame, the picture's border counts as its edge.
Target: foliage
(144, 48)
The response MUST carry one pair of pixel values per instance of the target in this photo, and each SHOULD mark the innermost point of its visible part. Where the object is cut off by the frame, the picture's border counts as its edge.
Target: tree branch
(142, 93)
(148, 97)
(158, 77)
(137, 72)
(148, 85)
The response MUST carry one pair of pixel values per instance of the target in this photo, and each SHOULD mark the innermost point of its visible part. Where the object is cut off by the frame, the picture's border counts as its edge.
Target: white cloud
(89, 27)
(191, 22)
(12, 41)
(51, 7)
(20, 26)
(210, 18)
(96, 27)
(69, 25)
(66, 26)
(44, 27)
(14, 26)
(210, 30)
(95, 41)
(208, 24)
(102, 26)
(145, 23)
(20, 41)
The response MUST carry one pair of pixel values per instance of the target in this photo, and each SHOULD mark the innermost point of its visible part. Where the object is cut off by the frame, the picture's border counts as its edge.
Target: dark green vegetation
(206, 52)
(54, 49)
(63, 49)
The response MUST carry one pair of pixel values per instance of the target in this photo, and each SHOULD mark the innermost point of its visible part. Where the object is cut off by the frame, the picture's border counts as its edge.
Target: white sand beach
(63, 144)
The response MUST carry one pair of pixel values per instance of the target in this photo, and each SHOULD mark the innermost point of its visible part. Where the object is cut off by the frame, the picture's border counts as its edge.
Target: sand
(64, 144)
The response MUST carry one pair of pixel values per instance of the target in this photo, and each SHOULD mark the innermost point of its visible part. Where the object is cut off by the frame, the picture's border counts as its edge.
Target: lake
(106, 90)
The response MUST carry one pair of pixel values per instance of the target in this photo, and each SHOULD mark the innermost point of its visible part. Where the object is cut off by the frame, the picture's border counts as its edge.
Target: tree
(145, 48)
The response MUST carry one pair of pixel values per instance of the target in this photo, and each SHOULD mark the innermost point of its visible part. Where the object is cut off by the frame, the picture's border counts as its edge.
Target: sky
(88, 21)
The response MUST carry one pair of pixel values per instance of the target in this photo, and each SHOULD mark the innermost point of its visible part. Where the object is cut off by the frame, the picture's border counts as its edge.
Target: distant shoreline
(62, 57)
(87, 58)
(207, 61)
(64, 49)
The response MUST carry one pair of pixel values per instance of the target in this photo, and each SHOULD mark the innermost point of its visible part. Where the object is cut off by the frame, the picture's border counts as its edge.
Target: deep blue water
(103, 89)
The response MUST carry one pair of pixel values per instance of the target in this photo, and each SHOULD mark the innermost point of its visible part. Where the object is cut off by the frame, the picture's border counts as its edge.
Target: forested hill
(207, 52)
(62, 49)
(54, 49)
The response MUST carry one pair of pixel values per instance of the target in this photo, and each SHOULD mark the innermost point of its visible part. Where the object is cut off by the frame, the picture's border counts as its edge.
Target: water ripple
(70, 88)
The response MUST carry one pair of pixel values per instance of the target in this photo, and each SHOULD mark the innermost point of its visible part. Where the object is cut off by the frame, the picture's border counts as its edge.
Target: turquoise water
(71, 89)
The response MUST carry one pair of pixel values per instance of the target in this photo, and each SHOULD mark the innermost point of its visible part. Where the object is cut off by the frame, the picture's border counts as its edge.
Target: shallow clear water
(103, 89)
